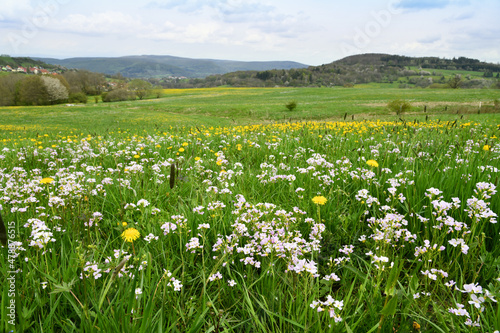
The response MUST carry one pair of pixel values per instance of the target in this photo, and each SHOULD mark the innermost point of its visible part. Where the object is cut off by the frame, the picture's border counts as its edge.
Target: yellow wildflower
(47, 180)
(130, 235)
(372, 163)
(319, 200)
(486, 148)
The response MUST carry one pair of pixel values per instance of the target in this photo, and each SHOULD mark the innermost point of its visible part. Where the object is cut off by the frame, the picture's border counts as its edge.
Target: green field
(218, 210)
(230, 106)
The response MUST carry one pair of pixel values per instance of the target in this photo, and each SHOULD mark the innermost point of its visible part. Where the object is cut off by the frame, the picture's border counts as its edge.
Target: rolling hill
(402, 71)
(157, 66)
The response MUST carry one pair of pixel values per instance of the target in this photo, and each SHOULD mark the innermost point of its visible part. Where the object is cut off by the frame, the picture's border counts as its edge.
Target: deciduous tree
(57, 92)
(32, 91)
(8, 85)
(140, 87)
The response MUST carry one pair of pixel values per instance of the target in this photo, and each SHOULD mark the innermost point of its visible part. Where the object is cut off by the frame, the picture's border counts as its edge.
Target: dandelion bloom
(47, 180)
(181, 150)
(130, 235)
(137, 156)
(319, 200)
(372, 163)
(486, 147)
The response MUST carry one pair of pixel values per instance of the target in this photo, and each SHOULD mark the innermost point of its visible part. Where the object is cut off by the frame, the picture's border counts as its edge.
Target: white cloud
(101, 23)
(226, 10)
(309, 32)
(14, 9)
(430, 39)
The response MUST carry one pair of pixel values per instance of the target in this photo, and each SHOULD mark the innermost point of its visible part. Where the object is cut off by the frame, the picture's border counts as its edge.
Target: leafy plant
(78, 97)
(291, 105)
(399, 106)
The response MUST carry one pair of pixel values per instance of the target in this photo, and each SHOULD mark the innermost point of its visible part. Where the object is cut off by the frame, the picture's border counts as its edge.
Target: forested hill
(379, 59)
(368, 68)
(15, 62)
(160, 66)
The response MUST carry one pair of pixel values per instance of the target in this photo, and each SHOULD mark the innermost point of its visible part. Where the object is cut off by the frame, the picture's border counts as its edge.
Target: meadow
(217, 210)
(241, 106)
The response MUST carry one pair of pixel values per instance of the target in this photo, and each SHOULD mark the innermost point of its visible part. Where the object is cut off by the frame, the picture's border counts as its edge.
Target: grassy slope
(228, 106)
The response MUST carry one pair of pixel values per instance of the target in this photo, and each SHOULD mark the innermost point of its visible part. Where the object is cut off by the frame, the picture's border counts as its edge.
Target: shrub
(399, 106)
(476, 84)
(455, 82)
(439, 86)
(291, 105)
(118, 95)
(79, 97)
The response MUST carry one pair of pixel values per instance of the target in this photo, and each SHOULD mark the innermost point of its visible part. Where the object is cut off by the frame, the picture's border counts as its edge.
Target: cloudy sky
(312, 32)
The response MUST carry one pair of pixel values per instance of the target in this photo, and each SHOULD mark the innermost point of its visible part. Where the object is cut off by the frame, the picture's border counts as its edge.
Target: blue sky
(313, 32)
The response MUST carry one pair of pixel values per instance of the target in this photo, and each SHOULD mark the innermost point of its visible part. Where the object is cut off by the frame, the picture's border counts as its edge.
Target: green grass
(448, 73)
(75, 174)
(229, 106)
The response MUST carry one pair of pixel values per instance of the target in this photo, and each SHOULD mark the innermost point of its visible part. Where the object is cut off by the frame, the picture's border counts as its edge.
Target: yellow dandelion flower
(486, 148)
(372, 163)
(319, 200)
(196, 158)
(137, 156)
(124, 224)
(184, 144)
(181, 150)
(47, 180)
(130, 235)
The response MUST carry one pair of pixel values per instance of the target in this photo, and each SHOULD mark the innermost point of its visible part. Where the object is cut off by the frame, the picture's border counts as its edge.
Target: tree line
(337, 75)
(71, 86)
(74, 86)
